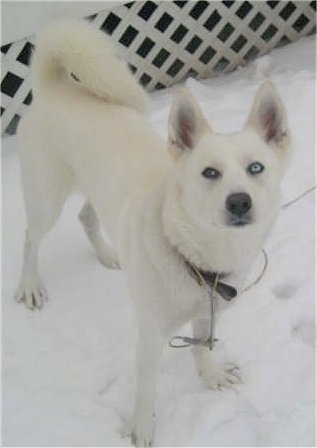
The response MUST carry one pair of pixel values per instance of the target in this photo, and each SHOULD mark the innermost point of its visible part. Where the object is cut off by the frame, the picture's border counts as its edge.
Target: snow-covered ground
(68, 370)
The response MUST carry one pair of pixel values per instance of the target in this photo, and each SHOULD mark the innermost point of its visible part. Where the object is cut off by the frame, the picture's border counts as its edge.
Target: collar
(212, 279)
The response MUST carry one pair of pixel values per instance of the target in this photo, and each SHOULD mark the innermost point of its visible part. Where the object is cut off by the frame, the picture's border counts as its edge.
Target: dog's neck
(201, 248)
(213, 280)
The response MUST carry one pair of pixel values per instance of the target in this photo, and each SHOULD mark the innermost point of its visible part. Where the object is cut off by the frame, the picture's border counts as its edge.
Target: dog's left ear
(186, 123)
(268, 116)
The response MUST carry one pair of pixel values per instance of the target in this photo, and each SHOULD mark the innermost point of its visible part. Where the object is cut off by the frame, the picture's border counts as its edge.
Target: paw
(109, 262)
(143, 432)
(32, 294)
(222, 376)
(108, 259)
(141, 440)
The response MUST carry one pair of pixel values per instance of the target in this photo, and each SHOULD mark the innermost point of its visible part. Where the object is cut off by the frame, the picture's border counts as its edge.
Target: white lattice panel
(167, 41)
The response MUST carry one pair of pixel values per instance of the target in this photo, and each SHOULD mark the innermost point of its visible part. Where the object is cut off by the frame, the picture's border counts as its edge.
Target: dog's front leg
(149, 349)
(216, 376)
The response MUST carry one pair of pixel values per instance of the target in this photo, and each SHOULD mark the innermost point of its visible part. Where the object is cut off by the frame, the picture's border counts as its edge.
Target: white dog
(201, 208)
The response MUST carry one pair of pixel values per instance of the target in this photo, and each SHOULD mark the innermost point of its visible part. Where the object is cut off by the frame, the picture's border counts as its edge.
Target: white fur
(153, 203)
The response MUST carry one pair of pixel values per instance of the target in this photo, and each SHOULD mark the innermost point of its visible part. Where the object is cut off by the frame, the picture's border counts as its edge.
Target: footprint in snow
(285, 290)
(305, 331)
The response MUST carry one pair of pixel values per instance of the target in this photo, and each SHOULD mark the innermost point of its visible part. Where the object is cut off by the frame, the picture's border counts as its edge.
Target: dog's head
(230, 181)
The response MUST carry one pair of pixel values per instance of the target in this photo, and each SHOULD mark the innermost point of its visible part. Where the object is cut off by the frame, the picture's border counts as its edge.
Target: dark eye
(75, 77)
(255, 168)
(211, 173)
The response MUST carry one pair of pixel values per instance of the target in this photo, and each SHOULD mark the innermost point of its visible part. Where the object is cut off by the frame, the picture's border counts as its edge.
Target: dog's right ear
(186, 123)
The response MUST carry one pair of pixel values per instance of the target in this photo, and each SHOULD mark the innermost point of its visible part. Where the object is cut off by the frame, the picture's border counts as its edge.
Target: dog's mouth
(236, 223)
(239, 222)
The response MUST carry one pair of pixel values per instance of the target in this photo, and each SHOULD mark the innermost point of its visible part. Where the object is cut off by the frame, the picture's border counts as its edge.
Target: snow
(68, 370)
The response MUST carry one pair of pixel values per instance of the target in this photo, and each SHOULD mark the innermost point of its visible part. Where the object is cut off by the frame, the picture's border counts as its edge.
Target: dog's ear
(186, 123)
(268, 116)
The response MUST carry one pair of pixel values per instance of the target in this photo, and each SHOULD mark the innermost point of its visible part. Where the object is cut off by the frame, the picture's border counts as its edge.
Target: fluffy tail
(78, 50)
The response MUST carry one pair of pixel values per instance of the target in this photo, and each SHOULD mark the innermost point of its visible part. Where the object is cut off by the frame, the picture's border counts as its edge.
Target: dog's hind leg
(30, 290)
(46, 185)
(89, 220)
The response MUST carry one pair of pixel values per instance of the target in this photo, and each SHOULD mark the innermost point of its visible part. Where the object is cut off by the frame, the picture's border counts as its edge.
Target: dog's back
(87, 122)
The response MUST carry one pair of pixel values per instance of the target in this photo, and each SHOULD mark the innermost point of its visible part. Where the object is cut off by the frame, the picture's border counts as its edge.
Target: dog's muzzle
(239, 205)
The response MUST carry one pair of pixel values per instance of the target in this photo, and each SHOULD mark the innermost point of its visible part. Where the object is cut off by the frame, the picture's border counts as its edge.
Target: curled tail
(87, 54)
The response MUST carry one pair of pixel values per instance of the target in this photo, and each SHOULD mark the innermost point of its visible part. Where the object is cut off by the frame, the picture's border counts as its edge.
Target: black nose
(238, 203)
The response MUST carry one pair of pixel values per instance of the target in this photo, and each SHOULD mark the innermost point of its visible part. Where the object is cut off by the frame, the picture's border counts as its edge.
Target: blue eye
(255, 168)
(211, 173)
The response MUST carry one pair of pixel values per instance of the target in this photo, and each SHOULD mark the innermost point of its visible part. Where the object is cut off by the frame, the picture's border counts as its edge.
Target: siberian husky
(201, 202)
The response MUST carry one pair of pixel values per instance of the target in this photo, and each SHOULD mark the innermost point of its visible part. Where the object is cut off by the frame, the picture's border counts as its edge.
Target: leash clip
(187, 342)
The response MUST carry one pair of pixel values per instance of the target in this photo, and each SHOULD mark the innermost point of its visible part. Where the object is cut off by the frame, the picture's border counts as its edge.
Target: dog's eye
(75, 77)
(211, 173)
(255, 168)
